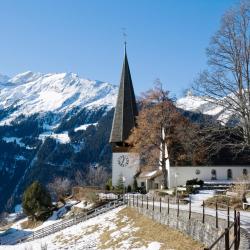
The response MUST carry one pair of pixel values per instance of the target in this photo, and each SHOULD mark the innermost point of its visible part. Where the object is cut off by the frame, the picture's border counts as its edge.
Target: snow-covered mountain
(196, 104)
(29, 93)
(51, 125)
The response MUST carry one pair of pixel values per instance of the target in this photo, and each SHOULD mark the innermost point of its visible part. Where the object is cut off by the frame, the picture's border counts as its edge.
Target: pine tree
(120, 184)
(37, 202)
(135, 185)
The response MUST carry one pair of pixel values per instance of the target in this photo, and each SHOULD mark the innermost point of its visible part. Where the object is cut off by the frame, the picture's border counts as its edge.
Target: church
(126, 165)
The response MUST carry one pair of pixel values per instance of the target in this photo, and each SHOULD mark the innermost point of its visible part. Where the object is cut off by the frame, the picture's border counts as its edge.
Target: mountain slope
(29, 93)
(196, 104)
(51, 125)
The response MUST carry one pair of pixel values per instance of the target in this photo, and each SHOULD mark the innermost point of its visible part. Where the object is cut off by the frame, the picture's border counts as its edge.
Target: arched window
(213, 173)
(245, 172)
(229, 174)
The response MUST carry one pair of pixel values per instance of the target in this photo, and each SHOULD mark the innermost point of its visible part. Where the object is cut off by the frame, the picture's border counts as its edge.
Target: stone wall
(206, 233)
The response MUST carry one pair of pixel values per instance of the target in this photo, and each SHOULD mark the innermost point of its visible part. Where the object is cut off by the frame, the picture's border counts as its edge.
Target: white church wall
(124, 165)
(179, 175)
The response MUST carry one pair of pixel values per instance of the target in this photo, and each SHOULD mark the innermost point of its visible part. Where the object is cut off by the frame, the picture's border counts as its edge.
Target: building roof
(126, 109)
(150, 174)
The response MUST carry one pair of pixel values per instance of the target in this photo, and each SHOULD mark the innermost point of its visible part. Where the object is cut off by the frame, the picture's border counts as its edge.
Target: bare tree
(3, 218)
(60, 187)
(162, 131)
(80, 178)
(95, 176)
(242, 187)
(226, 82)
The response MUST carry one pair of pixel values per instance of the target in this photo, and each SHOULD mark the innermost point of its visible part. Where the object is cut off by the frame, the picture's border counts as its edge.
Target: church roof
(126, 109)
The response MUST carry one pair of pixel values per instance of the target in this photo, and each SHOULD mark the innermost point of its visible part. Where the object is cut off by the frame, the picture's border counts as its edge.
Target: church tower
(125, 164)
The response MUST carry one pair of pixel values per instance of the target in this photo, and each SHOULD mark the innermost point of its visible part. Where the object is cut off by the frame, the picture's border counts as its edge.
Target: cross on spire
(124, 37)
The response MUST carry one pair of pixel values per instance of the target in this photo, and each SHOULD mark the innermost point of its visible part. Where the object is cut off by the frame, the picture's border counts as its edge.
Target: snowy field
(88, 235)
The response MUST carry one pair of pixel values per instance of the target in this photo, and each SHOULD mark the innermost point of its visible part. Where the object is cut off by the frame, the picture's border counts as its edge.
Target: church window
(229, 174)
(245, 172)
(213, 173)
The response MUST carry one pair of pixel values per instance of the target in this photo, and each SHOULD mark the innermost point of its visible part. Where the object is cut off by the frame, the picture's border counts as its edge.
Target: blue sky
(166, 38)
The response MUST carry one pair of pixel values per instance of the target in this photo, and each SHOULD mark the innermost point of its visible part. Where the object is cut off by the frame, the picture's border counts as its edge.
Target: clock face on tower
(123, 160)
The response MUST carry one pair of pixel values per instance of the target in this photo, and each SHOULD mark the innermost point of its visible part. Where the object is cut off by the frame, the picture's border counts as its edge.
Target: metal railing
(146, 201)
(226, 235)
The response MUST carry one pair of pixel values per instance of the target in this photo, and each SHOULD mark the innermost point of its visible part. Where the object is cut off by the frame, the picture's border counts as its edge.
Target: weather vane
(124, 35)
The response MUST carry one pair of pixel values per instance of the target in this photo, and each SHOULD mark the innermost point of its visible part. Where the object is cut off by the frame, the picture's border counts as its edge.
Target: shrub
(36, 202)
(135, 185)
(91, 197)
(129, 189)
(194, 182)
(189, 189)
(108, 185)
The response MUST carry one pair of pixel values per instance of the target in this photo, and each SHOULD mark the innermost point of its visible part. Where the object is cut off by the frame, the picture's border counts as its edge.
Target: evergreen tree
(135, 185)
(37, 202)
(120, 184)
(108, 185)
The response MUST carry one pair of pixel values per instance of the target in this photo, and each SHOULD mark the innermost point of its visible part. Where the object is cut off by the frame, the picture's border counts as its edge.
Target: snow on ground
(84, 205)
(14, 139)
(17, 141)
(62, 138)
(16, 232)
(89, 234)
(84, 235)
(85, 126)
(109, 196)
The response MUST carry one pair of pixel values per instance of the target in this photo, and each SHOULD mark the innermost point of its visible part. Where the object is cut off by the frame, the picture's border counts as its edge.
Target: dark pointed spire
(126, 109)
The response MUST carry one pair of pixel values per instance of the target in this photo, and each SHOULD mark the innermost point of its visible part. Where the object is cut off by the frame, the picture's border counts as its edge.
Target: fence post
(238, 229)
(189, 216)
(142, 200)
(160, 204)
(153, 203)
(216, 214)
(137, 200)
(133, 200)
(226, 239)
(203, 212)
(228, 216)
(168, 204)
(178, 206)
(147, 202)
(235, 231)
